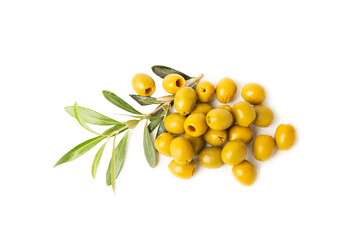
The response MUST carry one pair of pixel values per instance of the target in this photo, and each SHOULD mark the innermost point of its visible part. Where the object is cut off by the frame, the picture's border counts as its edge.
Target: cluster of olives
(226, 129)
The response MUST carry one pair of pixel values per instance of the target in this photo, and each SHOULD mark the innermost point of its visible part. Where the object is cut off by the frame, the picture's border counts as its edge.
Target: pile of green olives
(215, 136)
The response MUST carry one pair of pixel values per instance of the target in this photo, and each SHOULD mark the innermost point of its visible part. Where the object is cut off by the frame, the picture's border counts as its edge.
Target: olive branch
(154, 119)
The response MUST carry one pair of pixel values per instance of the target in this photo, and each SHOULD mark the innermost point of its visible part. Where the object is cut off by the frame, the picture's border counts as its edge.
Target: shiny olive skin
(264, 115)
(174, 123)
(285, 136)
(225, 90)
(184, 171)
(173, 83)
(263, 147)
(181, 150)
(162, 143)
(219, 119)
(240, 133)
(202, 108)
(205, 91)
(143, 84)
(210, 157)
(234, 152)
(244, 113)
(196, 142)
(215, 137)
(253, 93)
(195, 124)
(245, 173)
(185, 100)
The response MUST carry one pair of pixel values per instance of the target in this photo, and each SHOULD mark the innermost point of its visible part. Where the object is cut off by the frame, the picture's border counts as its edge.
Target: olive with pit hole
(173, 83)
(143, 84)
(195, 124)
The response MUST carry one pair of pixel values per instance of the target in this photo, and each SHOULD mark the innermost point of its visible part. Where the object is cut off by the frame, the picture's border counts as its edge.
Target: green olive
(210, 157)
(205, 91)
(219, 119)
(263, 147)
(185, 100)
(181, 150)
(195, 124)
(174, 123)
(173, 83)
(285, 136)
(245, 173)
(196, 142)
(202, 108)
(253, 93)
(240, 133)
(143, 84)
(264, 116)
(184, 171)
(215, 137)
(162, 143)
(225, 90)
(234, 152)
(244, 113)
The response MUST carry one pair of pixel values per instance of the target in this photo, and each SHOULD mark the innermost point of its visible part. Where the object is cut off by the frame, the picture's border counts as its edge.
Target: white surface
(52, 53)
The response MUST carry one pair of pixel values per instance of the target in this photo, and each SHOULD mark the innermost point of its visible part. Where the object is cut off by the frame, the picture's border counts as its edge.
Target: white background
(53, 53)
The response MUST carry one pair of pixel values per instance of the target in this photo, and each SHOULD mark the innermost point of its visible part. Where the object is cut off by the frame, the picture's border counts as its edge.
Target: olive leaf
(131, 124)
(119, 102)
(149, 148)
(115, 129)
(96, 161)
(79, 150)
(81, 121)
(143, 101)
(112, 167)
(91, 116)
(161, 128)
(119, 159)
(163, 71)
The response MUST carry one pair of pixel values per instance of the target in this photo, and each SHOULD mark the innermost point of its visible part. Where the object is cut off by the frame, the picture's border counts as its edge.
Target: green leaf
(112, 165)
(81, 121)
(149, 148)
(143, 101)
(96, 161)
(114, 129)
(119, 159)
(163, 71)
(79, 150)
(117, 101)
(92, 117)
(161, 128)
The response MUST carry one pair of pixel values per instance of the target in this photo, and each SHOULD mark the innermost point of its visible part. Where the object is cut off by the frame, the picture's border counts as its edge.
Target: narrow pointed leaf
(96, 161)
(143, 101)
(163, 71)
(119, 159)
(161, 128)
(131, 124)
(117, 101)
(154, 122)
(81, 121)
(149, 148)
(79, 150)
(91, 117)
(112, 169)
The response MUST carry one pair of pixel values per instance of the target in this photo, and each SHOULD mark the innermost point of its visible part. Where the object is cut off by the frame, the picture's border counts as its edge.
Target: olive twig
(195, 80)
